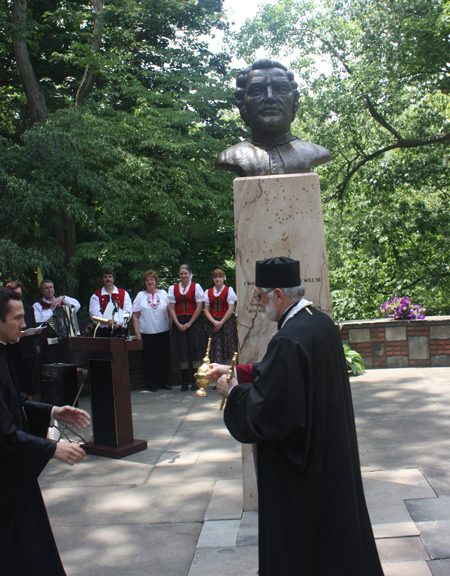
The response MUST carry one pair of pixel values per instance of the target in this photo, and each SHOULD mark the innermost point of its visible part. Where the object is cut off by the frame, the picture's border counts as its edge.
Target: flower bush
(402, 309)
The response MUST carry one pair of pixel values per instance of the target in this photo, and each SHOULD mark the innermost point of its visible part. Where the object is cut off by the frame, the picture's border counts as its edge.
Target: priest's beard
(270, 311)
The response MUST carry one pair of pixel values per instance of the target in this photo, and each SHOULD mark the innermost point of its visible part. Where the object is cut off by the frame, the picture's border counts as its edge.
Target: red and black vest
(185, 303)
(218, 305)
(116, 297)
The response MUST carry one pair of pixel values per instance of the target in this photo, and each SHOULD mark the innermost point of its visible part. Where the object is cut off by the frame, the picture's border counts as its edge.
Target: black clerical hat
(279, 272)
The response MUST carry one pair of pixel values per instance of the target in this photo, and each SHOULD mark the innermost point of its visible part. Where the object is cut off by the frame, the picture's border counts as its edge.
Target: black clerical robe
(313, 519)
(27, 545)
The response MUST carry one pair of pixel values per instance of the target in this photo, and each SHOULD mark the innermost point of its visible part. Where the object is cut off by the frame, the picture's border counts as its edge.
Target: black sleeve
(276, 405)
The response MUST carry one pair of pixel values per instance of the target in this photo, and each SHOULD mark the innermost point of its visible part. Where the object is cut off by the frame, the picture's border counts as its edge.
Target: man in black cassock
(27, 545)
(296, 406)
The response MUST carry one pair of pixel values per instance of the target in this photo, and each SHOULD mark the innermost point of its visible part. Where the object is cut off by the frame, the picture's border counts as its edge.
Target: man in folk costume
(121, 306)
(27, 545)
(50, 309)
(296, 406)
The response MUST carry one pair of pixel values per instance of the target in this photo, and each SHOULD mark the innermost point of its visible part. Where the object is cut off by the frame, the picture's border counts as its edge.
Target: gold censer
(201, 378)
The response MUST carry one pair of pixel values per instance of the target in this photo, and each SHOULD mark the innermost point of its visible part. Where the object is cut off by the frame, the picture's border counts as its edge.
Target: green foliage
(354, 361)
(382, 106)
(133, 169)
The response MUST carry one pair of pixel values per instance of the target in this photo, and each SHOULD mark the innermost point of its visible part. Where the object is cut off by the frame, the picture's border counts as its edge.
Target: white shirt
(154, 309)
(199, 294)
(42, 315)
(94, 306)
(231, 299)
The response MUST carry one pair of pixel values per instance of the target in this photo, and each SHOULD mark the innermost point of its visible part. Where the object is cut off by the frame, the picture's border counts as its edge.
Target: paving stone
(219, 533)
(436, 537)
(439, 567)
(409, 549)
(439, 478)
(212, 471)
(227, 501)
(242, 561)
(177, 458)
(406, 569)
(385, 492)
(95, 471)
(81, 506)
(134, 550)
(429, 509)
(248, 531)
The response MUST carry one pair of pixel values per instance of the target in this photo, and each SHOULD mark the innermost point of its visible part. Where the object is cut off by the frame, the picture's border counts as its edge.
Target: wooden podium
(112, 421)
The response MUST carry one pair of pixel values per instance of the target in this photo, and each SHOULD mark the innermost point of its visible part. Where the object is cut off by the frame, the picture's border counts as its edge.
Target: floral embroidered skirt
(223, 343)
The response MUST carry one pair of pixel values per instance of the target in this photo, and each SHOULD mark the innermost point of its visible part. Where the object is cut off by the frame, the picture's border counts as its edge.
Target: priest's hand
(223, 387)
(71, 415)
(69, 453)
(217, 370)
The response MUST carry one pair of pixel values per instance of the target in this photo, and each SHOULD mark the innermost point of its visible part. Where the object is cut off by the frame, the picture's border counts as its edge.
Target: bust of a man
(267, 98)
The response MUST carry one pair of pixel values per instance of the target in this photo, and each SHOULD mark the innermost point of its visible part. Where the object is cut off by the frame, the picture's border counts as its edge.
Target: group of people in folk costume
(170, 325)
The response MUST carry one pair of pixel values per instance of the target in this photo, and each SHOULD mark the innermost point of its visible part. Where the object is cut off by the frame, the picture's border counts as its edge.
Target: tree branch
(371, 107)
(413, 143)
(89, 76)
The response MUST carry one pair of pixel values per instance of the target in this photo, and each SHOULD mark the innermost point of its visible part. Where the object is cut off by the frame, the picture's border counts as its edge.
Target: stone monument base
(275, 216)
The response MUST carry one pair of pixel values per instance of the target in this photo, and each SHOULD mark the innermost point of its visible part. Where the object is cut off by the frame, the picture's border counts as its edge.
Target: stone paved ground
(176, 508)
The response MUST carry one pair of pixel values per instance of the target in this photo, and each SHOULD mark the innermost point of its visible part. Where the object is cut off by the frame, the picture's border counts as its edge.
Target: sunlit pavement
(176, 508)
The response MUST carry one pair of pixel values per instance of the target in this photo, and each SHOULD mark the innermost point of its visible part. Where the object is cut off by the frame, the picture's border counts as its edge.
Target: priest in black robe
(296, 406)
(27, 545)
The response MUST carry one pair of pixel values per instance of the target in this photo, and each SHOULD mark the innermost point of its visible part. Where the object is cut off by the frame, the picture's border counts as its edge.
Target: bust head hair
(262, 64)
(6, 295)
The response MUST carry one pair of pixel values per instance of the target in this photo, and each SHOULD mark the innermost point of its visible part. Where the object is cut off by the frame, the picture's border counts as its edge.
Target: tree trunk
(33, 92)
(88, 80)
(65, 236)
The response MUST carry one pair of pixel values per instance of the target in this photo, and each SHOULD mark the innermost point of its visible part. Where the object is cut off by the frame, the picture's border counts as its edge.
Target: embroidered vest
(185, 303)
(104, 298)
(218, 305)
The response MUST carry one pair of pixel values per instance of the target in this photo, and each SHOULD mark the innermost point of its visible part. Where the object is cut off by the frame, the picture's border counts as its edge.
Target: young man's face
(11, 328)
(108, 280)
(48, 290)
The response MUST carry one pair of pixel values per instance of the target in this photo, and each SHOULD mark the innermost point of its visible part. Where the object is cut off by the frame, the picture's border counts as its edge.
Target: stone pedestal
(275, 216)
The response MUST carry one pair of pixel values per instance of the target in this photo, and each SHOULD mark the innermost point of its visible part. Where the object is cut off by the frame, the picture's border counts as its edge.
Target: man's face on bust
(268, 99)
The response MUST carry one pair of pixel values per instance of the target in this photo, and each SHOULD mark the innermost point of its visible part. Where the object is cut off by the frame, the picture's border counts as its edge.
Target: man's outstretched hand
(71, 415)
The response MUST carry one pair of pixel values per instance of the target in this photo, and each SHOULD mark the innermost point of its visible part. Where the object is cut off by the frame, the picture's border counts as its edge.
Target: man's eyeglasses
(257, 297)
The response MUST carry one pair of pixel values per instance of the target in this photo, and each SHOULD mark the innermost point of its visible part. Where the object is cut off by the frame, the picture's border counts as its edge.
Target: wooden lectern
(112, 421)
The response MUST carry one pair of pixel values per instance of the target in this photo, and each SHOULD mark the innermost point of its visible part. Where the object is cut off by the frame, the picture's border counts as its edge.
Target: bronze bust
(267, 98)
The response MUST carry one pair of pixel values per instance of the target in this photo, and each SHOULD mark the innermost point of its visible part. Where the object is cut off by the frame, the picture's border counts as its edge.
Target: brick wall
(385, 343)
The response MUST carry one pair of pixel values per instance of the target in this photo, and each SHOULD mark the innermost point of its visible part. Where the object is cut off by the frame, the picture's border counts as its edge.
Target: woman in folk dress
(222, 325)
(187, 334)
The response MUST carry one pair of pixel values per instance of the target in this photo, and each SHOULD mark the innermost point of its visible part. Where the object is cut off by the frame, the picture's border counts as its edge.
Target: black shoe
(152, 389)
(166, 387)
(215, 387)
(194, 387)
(184, 387)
